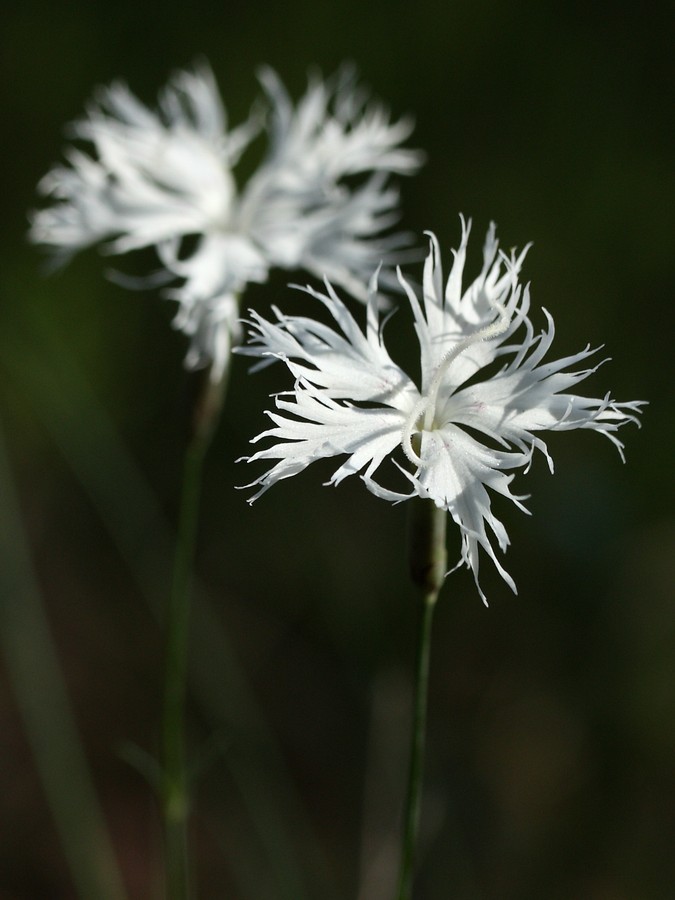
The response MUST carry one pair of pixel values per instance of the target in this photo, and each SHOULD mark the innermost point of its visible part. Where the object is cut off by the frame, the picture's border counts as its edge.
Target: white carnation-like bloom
(320, 200)
(468, 424)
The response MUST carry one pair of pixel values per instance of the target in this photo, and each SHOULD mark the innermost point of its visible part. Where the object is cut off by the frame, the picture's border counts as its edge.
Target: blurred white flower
(468, 424)
(320, 199)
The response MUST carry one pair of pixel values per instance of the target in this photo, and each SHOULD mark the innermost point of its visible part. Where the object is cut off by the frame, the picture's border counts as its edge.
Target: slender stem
(174, 782)
(428, 565)
(413, 804)
(174, 787)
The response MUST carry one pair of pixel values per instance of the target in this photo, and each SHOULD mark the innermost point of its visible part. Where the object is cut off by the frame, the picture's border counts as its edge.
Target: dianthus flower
(319, 200)
(464, 427)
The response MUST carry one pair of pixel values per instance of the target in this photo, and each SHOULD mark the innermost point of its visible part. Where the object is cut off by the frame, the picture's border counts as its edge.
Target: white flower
(156, 178)
(466, 427)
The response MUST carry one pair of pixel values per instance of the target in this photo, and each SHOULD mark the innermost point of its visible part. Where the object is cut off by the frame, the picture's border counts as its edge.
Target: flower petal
(321, 428)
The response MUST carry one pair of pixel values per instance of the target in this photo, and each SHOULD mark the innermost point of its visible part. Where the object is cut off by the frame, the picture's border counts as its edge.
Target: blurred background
(551, 747)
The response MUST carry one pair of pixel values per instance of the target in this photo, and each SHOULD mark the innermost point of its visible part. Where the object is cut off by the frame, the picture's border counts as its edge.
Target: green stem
(174, 782)
(428, 566)
(174, 787)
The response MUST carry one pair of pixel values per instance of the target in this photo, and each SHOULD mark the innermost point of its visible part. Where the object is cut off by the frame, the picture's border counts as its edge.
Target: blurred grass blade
(92, 447)
(40, 692)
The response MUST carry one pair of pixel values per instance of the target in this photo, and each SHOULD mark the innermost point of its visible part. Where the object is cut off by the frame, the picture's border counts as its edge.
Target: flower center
(422, 415)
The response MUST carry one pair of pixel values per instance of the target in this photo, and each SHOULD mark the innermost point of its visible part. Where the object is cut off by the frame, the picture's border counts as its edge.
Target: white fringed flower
(466, 427)
(156, 178)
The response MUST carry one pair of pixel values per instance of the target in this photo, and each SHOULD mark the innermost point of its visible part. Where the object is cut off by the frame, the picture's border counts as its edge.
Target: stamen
(409, 427)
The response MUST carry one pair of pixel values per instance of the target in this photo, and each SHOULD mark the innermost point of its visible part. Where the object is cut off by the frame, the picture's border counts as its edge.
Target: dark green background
(551, 764)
